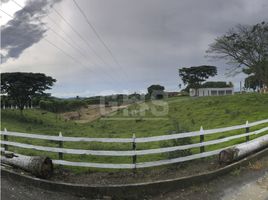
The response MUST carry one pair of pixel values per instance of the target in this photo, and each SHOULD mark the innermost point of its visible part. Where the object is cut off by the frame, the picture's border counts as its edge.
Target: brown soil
(138, 176)
(225, 187)
(91, 113)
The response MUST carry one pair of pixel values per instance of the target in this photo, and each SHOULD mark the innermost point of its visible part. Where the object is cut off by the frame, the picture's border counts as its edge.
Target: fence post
(134, 157)
(202, 138)
(247, 131)
(5, 139)
(60, 146)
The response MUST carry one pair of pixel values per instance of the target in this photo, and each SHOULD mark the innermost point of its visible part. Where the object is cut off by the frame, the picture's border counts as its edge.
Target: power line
(67, 42)
(68, 55)
(79, 35)
(64, 52)
(55, 32)
(55, 46)
(51, 19)
(95, 31)
(17, 3)
(6, 13)
(98, 35)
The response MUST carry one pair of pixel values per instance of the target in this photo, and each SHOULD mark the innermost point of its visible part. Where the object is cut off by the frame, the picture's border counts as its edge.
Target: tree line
(22, 90)
(60, 106)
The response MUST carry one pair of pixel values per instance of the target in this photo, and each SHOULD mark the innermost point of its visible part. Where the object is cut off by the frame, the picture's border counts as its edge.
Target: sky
(118, 46)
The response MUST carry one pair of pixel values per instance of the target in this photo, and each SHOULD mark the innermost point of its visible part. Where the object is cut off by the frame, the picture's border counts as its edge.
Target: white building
(201, 92)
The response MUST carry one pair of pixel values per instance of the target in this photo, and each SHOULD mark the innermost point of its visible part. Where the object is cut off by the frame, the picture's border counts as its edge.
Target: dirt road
(246, 183)
(12, 190)
(254, 190)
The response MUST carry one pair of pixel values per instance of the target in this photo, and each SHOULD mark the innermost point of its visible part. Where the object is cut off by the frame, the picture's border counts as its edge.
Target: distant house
(200, 92)
(172, 94)
(212, 88)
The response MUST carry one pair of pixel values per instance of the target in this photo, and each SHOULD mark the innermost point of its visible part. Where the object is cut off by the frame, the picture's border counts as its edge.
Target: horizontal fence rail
(130, 153)
(134, 166)
(139, 165)
(134, 153)
(130, 140)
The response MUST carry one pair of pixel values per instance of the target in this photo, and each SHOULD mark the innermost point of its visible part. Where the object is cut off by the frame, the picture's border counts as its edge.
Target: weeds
(236, 172)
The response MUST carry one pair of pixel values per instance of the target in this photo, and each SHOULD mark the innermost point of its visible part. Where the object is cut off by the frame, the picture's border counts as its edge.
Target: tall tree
(259, 72)
(246, 48)
(252, 82)
(156, 91)
(194, 76)
(22, 87)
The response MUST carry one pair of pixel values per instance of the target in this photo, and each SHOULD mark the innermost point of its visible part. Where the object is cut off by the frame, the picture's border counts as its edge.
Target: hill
(179, 114)
(183, 112)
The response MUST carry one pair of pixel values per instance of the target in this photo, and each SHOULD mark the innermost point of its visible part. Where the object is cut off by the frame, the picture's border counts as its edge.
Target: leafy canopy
(194, 76)
(22, 87)
(218, 84)
(245, 48)
(252, 82)
(156, 91)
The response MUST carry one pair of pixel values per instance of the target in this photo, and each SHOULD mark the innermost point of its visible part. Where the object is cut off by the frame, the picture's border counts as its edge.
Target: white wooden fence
(134, 153)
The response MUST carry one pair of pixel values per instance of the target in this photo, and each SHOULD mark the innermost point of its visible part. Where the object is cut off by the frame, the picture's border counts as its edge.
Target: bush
(59, 106)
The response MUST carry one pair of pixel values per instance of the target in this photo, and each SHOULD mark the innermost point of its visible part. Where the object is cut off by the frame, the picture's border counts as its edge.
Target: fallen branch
(39, 166)
(235, 153)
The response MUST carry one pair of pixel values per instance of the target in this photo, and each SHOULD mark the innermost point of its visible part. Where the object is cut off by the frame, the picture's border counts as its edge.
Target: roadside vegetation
(148, 114)
(185, 114)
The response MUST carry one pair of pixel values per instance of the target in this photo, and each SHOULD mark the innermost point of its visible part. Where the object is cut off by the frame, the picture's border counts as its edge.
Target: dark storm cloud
(167, 28)
(156, 37)
(25, 29)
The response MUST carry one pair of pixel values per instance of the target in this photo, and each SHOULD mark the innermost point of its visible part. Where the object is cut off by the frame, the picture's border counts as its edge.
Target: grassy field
(184, 114)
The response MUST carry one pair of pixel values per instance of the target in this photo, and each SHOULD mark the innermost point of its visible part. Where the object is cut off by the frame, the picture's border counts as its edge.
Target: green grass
(184, 114)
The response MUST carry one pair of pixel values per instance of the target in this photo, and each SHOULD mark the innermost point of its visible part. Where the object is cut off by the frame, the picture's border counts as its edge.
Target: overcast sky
(148, 39)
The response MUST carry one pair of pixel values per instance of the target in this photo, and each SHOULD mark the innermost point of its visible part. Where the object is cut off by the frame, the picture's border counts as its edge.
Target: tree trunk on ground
(233, 154)
(39, 166)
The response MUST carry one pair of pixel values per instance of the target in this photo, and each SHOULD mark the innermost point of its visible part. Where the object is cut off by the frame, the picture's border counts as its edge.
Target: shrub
(59, 106)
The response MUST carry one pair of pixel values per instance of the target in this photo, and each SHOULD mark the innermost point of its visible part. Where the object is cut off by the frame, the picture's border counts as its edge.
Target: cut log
(39, 166)
(235, 153)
